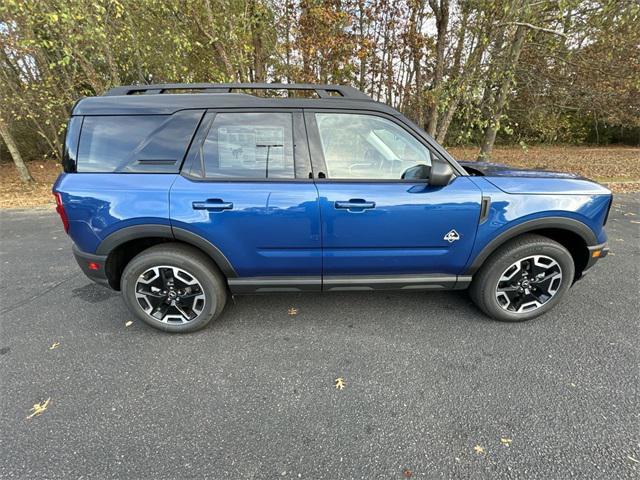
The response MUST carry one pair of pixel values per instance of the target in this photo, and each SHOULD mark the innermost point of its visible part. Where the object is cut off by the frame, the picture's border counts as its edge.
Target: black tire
(194, 263)
(484, 286)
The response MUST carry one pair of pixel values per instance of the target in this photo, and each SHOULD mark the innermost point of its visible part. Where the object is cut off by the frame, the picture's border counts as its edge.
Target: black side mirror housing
(441, 173)
(417, 172)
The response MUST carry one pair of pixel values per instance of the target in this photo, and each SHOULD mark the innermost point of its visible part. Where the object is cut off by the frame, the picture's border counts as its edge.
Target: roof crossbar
(323, 91)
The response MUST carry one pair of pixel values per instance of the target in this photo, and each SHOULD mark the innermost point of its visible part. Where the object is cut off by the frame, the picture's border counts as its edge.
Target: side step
(249, 285)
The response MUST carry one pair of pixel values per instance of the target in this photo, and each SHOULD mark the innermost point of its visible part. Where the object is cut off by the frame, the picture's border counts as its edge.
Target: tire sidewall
(207, 280)
(495, 271)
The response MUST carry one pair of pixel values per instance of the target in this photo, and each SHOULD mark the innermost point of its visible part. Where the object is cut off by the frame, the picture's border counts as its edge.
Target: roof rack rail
(323, 91)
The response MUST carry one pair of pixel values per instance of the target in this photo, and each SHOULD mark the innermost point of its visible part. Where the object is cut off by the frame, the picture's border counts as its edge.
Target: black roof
(159, 99)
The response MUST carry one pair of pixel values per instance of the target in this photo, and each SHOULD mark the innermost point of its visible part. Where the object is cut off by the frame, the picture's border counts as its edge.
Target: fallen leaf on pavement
(54, 345)
(478, 449)
(340, 383)
(39, 408)
(292, 311)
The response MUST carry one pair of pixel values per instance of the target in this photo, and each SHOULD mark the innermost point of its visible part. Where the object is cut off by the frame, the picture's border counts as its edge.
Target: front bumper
(596, 252)
(93, 266)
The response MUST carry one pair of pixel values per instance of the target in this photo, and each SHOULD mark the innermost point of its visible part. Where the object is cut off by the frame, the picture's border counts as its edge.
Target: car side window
(360, 146)
(248, 145)
(107, 142)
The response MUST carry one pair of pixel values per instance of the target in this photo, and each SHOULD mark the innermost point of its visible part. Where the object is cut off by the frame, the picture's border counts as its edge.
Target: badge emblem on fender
(452, 236)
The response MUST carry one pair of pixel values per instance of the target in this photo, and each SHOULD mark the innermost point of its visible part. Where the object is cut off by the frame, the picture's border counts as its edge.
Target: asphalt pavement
(433, 388)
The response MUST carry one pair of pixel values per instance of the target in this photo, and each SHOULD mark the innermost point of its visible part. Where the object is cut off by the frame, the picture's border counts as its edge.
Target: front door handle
(355, 205)
(213, 205)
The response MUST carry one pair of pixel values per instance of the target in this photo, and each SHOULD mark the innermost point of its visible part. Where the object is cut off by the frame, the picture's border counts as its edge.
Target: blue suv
(179, 195)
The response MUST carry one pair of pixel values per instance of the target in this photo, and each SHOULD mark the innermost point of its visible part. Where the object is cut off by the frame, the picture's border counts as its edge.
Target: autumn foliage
(469, 72)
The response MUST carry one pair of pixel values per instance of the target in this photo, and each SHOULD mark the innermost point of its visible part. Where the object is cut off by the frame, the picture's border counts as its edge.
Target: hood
(535, 182)
(489, 169)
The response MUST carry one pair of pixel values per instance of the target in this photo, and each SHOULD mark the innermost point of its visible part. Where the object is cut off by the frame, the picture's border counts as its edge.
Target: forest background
(552, 84)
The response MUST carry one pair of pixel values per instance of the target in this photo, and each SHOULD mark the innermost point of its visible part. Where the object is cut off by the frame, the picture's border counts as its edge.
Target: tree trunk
(256, 40)
(443, 126)
(455, 74)
(465, 78)
(442, 22)
(287, 43)
(25, 176)
(218, 47)
(361, 45)
(415, 44)
(494, 119)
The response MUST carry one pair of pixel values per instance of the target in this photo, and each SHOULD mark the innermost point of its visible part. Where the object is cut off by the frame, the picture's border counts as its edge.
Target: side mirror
(441, 173)
(417, 172)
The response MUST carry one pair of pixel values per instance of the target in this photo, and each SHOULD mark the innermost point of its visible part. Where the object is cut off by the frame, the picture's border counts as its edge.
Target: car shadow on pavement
(94, 293)
(346, 309)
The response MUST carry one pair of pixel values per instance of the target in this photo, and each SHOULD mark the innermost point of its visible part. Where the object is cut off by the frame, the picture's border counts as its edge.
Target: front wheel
(173, 287)
(523, 279)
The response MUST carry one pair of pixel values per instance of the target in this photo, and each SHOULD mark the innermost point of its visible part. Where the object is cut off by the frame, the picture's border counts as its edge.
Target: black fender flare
(559, 223)
(135, 232)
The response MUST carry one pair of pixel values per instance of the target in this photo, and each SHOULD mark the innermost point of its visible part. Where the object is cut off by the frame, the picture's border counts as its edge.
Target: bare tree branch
(535, 27)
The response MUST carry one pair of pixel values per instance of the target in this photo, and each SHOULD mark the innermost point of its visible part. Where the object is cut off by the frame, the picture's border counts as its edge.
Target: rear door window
(249, 145)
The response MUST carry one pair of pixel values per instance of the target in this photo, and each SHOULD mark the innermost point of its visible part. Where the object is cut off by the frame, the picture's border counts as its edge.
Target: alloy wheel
(170, 294)
(528, 284)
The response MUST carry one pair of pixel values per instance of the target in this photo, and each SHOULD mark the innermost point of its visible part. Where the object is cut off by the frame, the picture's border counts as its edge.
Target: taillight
(61, 212)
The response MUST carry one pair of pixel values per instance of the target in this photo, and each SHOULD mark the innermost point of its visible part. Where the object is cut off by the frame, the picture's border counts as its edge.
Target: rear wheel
(173, 287)
(525, 278)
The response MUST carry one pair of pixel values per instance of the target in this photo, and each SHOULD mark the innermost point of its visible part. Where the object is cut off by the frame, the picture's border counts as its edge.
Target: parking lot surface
(433, 388)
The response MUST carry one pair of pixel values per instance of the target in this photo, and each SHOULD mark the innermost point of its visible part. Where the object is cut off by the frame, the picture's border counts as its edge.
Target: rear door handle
(355, 205)
(213, 205)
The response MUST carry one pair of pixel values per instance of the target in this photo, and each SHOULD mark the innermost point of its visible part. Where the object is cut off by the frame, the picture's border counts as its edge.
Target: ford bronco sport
(179, 195)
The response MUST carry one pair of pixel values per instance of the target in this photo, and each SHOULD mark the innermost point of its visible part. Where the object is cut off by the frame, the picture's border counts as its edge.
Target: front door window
(358, 146)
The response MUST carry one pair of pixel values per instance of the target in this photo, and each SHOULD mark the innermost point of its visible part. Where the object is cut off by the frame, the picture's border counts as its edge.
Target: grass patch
(615, 165)
(15, 194)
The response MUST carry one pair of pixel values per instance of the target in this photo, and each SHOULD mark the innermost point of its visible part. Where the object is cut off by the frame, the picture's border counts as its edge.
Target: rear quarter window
(135, 143)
